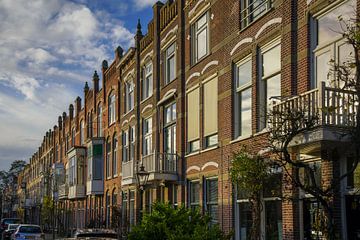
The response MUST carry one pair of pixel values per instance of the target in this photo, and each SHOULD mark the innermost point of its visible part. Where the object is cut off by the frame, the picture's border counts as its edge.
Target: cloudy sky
(48, 49)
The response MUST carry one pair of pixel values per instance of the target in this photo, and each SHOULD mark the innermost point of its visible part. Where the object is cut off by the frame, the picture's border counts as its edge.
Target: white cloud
(141, 4)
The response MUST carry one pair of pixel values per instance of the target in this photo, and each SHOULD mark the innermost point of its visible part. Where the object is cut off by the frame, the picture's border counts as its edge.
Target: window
(148, 200)
(112, 110)
(72, 171)
(200, 38)
(129, 92)
(107, 203)
(89, 125)
(108, 155)
(132, 142)
(73, 136)
(132, 208)
(147, 82)
(270, 80)
(242, 98)
(170, 128)
(250, 10)
(170, 64)
(125, 146)
(194, 198)
(98, 162)
(82, 126)
(99, 121)
(212, 199)
(114, 155)
(193, 120)
(210, 113)
(147, 136)
(330, 44)
(124, 207)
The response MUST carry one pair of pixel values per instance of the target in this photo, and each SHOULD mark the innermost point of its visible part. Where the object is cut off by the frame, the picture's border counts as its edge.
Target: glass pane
(273, 88)
(258, 6)
(171, 68)
(244, 74)
(202, 21)
(245, 216)
(171, 50)
(273, 218)
(272, 61)
(212, 193)
(246, 112)
(323, 67)
(201, 42)
(329, 27)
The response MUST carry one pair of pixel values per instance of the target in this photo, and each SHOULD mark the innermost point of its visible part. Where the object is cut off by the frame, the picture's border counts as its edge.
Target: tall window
(147, 82)
(89, 125)
(270, 80)
(124, 208)
(108, 155)
(148, 200)
(72, 171)
(242, 99)
(147, 136)
(132, 208)
(99, 121)
(73, 132)
(193, 120)
(114, 155)
(200, 38)
(194, 198)
(170, 128)
(211, 113)
(132, 142)
(82, 127)
(129, 92)
(112, 110)
(330, 44)
(250, 10)
(125, 146)
(107, 208)
(170, 64)
(211, 199)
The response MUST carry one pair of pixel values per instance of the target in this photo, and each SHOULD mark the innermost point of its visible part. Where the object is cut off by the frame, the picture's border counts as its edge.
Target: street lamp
(142, 177)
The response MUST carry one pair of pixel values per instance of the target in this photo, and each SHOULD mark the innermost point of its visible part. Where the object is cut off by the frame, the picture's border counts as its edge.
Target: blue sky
(48, 49)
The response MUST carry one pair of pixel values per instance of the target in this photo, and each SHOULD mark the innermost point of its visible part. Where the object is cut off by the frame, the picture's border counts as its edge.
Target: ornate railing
(167, 13)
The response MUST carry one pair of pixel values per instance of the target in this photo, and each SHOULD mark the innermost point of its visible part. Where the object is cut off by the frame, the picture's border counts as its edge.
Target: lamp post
(142, 177)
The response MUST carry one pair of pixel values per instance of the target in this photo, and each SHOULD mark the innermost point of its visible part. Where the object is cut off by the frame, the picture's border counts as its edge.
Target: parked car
(27, 231)
(95, 234)
(6, 221)
(6, 235)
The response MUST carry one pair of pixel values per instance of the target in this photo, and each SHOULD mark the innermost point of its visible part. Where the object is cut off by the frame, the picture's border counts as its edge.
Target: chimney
(86, 89)
(60, 122)
(96, 82)
(118, 53)
(71, 111)
(78, 105)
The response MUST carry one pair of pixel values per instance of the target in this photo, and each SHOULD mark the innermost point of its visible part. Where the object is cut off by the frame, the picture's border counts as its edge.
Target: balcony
(95, 167)
(162, 166)
(128, 171)
(333, 108)
(94, 187)
(63, 191)
(76, 191)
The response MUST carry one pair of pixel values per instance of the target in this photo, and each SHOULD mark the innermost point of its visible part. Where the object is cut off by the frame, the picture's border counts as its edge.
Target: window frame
(108, 157)
(129, 95)
(147, 147)
(208, 204)
(112, 108)
(115, 147)
(125, 146)
(170, 127)
(246, 11)
(169, 56)
(195, 32)
(147, 81)
(99, 120)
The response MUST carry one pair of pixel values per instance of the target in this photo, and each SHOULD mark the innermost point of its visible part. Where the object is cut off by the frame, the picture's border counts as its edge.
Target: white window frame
(82, 137)
(125, 146)
(115, 146)
(147, 136)
(112, 109)
(129, 85)
(108, 158)
(170, 126)
(196, 31)
(147, 83)
(239, 89)
(168, 56)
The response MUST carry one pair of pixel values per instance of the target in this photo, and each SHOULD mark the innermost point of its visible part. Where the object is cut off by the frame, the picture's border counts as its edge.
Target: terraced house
(190, 93)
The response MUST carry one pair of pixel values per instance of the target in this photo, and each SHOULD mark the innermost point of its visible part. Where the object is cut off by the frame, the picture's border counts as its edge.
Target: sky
(48, 50)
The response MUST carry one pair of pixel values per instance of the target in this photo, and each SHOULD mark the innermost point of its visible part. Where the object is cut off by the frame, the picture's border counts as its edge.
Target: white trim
(209, 65)
(195, 74)
(148, 57)
(194, 13)
(245, 40)
(193, 88)
(148, 106)
(193, 168)
(209, 78)
(125, 122)
(132, 72)
(208, 164)
(167, 95)
(166, 39)
(131, 118)
(267, 24)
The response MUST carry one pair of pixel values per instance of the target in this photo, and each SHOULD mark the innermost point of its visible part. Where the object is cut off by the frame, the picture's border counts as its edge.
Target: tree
(167, 223)
(250, 173)
(289, 121)
(47, 210)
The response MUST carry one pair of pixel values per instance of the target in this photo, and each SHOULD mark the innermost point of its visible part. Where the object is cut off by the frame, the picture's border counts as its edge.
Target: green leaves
(167, 223)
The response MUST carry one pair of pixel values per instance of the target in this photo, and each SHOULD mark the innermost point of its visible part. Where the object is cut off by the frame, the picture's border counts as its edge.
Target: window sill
(265, 130)
(209, 148)
(193, 153)
(168, 83)
(144, 100)
(192, 65)
(241, 138)
(128, 112)
(115, 176)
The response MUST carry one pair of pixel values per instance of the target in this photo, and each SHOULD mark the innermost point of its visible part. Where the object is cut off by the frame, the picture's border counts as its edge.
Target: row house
(192, 91)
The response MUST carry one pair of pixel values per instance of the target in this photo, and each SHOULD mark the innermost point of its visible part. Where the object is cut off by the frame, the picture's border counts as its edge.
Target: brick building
(189, 94)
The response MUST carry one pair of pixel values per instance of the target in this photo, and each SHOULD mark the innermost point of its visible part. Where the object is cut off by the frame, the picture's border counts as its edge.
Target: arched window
(129, 94)
(111, 105)
(114, 198)
(82, 126)
(108, 154)
(99, 121)
(114, 154)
